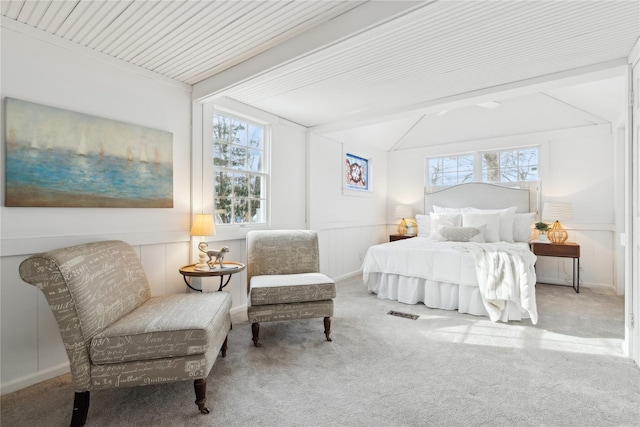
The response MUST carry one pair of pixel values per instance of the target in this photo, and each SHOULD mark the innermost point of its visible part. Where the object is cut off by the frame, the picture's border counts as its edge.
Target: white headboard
(484, 196)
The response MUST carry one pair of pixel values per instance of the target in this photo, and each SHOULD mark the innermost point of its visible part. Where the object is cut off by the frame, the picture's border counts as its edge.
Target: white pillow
(439, 220)
(522, 226)
(506, 221)
(424, 225)
(463, 234)
(491, 219)
(440, 209)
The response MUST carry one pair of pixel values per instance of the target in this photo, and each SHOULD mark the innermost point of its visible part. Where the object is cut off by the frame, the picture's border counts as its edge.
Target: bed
(471, 254)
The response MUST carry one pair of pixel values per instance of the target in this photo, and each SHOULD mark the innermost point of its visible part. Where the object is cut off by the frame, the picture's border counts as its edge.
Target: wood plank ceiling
(435, 51)
(445, 49)
(183, 40)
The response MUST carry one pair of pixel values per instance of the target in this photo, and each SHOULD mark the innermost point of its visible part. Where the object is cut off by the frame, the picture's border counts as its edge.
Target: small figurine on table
(219, 254)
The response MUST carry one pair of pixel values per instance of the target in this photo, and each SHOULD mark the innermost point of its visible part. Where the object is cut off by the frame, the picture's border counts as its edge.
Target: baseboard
(239, 309)
(547, 281)
(348, 275)
(34, 378)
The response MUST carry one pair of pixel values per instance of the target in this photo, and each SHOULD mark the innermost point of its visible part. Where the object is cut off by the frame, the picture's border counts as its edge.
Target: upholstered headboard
(484, 196)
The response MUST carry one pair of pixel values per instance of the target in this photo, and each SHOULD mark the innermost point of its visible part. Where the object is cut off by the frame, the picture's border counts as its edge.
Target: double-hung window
(515, 165)
(241, 170)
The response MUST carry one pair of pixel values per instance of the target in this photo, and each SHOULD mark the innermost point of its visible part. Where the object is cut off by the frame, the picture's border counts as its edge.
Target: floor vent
(405, 315)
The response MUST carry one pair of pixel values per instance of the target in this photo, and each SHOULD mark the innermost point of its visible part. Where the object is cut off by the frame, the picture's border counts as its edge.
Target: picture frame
(356, 174)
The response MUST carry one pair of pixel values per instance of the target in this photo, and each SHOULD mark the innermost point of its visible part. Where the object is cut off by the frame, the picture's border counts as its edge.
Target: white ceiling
(374, 71)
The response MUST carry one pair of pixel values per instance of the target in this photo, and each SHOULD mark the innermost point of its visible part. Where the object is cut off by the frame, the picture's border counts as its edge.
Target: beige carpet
(443, 369)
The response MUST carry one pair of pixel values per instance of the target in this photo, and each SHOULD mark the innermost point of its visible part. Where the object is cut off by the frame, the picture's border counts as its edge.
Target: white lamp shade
(203, 225)
(403, 211)
(557, 211)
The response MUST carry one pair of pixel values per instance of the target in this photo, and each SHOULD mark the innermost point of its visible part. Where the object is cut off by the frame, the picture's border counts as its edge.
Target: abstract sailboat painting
(60, 158)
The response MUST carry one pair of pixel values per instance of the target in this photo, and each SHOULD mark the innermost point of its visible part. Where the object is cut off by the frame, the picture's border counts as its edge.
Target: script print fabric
(75, 280)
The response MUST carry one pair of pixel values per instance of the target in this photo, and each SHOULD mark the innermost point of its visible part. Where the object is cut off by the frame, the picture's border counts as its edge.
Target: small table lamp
(557, 211)
(403, 211)
(202, 226)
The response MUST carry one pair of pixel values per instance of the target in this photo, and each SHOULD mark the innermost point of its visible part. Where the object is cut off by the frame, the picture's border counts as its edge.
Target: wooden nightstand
(565, 250)
(394, 237)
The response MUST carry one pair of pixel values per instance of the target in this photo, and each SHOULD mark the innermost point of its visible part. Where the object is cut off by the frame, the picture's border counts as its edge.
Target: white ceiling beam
(587, 74)
(353, 22)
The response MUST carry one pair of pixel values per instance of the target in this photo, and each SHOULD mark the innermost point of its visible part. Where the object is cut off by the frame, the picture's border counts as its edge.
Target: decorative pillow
(440, 209)
(506, 221)
(491, 220)
(522, 226)
(439, 220)
(424, 225)
(463, 234)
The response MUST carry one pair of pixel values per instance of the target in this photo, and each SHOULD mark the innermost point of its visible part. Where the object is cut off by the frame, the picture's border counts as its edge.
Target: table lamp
(202, 226)
(556, 212)
(402, 211)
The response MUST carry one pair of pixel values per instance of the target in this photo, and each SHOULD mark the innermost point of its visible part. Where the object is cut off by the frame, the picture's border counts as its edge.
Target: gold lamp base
(402, 227)
(557, 234)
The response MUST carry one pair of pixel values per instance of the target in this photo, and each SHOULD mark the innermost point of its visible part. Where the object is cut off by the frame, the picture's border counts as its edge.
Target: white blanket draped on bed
(505, 273)
(502, 271)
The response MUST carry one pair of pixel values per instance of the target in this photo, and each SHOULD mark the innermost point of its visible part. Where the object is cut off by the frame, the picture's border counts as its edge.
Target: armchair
(115, 333)
(283, 279)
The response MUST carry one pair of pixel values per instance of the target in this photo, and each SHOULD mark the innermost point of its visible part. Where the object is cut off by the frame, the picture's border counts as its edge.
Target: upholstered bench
(115, 333)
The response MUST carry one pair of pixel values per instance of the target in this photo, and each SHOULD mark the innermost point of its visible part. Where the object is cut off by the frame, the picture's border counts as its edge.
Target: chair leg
(80, 409)
(327, 328)
(255, 329)
(200, 385)
(224, 347)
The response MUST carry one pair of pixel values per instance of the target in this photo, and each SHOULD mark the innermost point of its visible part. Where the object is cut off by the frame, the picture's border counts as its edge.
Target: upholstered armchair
(284, 281)
(115, 333)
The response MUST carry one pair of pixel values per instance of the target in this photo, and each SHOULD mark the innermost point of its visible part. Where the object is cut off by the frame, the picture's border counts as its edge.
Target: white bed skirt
(446, 296)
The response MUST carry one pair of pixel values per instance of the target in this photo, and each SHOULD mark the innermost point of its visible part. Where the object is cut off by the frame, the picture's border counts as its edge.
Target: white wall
(576, 166)
(347, 222)
(47, 70)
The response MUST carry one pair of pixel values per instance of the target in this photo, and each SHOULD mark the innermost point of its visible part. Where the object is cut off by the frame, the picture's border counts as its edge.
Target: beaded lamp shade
(557, 211)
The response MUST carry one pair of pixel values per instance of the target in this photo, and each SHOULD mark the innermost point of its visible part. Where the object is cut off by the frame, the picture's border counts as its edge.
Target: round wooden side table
(228, 269)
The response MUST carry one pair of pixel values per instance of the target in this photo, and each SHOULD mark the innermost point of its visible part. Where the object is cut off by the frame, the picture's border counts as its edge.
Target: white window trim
(203, 189)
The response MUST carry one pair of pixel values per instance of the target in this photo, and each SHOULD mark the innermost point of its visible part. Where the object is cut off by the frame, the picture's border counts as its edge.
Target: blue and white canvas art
(60, 158)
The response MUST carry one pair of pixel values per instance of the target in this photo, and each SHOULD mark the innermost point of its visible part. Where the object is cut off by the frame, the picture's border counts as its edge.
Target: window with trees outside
(520, 165)
(500, 166)
(450, 170)
(240, 170)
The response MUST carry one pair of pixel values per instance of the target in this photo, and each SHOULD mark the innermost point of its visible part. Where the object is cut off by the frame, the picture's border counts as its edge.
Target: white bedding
(494, 279)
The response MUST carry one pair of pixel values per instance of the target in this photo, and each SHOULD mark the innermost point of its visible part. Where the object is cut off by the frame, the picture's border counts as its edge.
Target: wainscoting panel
(596, 261)
(19, 334)
(342, 249)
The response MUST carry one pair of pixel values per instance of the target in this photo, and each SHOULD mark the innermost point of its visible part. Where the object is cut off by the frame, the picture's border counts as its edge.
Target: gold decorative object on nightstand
(557, 211)
(557, 234)
(402, 211)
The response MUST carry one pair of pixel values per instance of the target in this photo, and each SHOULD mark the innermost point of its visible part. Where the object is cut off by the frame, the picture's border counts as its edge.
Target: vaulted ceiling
(339, 65)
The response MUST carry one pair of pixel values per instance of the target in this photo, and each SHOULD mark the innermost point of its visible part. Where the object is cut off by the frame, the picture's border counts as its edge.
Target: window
(240, 170)
(502, 166)
(450, 170)
(510, 165)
